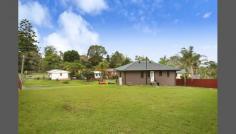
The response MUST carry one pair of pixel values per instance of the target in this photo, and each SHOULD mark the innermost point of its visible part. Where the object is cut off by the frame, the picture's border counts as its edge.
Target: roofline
(148, 70)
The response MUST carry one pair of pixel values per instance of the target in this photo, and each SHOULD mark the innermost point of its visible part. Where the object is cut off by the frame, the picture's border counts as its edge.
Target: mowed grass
(52, 107)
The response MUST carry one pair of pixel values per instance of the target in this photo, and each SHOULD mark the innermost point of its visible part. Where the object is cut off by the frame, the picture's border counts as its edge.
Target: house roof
(57, 71)
(97, 72)
(141, 65)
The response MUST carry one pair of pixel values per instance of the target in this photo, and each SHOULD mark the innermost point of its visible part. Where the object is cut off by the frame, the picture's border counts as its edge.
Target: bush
(88, 74)
(65, 82)
(37, 78)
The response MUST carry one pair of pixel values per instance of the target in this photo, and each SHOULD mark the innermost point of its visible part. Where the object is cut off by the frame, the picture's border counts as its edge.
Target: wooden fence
(209, 83)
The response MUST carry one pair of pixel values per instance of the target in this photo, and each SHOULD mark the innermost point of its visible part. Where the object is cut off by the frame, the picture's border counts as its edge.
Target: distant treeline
(96, 58)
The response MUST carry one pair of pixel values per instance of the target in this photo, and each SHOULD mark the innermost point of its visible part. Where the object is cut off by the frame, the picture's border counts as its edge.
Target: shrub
(65, 82)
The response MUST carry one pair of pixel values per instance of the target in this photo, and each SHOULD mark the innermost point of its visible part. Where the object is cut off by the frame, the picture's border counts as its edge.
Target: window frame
(168, 73)
(142, 74)
(160, 73)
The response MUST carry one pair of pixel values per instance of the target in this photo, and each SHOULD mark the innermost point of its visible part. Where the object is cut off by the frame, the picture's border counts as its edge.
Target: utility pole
(146, 71)
(22, 66)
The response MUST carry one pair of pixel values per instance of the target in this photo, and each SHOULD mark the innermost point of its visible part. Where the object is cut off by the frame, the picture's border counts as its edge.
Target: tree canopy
(117, 59)
(51, 60)
(71, 56)
(140, 58)
(95, 54)
(27, 46)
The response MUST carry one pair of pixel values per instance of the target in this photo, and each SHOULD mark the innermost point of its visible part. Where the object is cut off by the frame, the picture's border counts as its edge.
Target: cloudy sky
(152, 28)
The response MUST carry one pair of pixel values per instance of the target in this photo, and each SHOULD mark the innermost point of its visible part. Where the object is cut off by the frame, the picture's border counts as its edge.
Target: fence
(209, 83)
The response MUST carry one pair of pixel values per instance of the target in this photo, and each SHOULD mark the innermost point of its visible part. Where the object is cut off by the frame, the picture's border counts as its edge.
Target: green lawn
(53, 107)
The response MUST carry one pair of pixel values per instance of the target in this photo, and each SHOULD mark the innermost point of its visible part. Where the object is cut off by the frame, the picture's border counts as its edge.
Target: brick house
(146, 72)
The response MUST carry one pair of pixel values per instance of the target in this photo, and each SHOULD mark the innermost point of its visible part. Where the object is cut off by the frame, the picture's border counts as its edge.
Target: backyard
(80, 107)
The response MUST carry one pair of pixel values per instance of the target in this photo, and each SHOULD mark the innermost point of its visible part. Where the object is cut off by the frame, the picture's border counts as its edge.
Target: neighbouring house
(182, 72)
(147, 72)
(111, 72)
(57, 74)
(97, 74)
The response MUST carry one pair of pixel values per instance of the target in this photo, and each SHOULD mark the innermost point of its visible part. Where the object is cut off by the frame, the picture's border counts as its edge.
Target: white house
(97, 74)
(57, 74)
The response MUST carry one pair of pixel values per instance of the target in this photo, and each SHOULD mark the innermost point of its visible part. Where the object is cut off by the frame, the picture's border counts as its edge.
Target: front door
(152, 76)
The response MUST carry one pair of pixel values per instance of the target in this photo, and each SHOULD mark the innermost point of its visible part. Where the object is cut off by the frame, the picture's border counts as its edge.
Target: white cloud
(38, 37)
(73, 33)
(35, 12)
(89, 6)
(207, 15)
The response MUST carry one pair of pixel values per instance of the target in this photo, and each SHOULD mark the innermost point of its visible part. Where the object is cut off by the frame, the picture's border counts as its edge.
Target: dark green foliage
(52, 60)
(118, 59)
(95, 54)
(71, 56)
(27, 46)
(88, 74)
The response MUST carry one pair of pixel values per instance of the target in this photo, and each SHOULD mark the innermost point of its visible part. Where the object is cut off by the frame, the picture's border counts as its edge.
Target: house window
(60, 74)
(120, 74)
(160, 73)
(148, 74)
(141, 74)
(168, 73)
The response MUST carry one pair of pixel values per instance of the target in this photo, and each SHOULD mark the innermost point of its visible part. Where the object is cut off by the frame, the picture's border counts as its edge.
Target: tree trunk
(192, 73)
(185, 80)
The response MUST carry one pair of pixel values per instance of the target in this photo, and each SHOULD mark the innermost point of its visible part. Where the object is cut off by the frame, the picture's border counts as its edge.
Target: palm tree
(164, 60)
(190, 60)
(102, 66)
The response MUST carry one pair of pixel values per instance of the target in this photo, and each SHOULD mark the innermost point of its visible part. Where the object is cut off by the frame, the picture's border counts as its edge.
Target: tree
(117, 59)
(209, 70)
(127, 61)
(190, 60)
(51, 60)
(73, 67)
(164, 60)
(108, 58)
(175, 61)
(140, 58)
(28, 46)
(95, 54)
(102, 66)
(71, 56)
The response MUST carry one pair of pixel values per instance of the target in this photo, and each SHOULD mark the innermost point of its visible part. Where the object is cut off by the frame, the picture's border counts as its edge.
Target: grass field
(54, 107)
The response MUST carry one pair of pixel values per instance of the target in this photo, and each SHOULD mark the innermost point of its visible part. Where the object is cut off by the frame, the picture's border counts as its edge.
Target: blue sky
(152, 28)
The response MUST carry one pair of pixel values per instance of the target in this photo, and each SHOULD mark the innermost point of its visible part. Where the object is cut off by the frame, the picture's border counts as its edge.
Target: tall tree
(51, 60)
(28, 46)
(190, 60)
(108, 58)
(117, 59)
(71, 56)
(96, 53)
